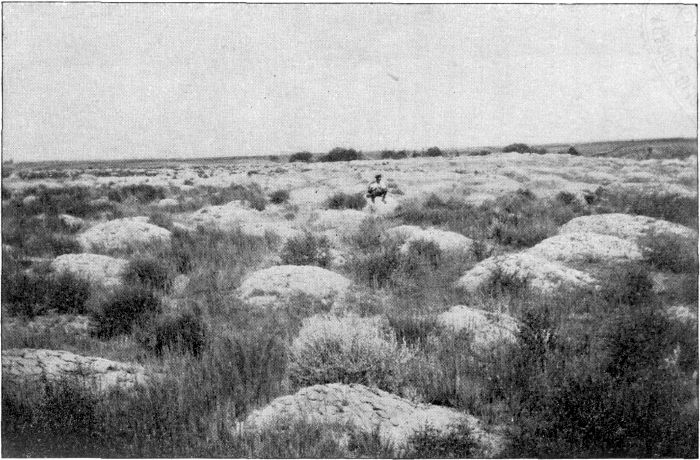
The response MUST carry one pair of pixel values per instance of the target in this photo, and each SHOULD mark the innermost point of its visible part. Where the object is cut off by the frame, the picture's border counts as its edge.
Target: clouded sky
(185, 80)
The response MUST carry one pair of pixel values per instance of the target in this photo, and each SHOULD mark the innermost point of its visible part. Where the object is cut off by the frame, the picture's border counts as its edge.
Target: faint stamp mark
(669, 32)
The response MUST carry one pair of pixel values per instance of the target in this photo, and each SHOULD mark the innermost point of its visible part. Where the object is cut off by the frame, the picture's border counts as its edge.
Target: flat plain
(496, 305)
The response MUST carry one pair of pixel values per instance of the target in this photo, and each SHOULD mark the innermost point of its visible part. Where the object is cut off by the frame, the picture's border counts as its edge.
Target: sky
(112, 81)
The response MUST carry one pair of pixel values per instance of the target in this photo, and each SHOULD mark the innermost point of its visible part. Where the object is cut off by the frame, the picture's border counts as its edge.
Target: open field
(496, 305)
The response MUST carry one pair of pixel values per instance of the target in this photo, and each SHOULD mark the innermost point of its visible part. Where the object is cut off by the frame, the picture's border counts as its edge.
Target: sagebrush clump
(307, 249)
(348, 350)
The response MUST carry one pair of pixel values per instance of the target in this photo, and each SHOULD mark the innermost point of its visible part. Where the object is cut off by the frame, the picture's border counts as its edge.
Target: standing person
(377, 188)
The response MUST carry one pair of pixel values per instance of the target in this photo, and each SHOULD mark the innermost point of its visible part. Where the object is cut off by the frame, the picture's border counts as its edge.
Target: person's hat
(377, 175)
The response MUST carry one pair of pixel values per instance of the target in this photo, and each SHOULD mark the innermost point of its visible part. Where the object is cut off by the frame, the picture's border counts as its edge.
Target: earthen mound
(101, 270)
(276, 283)
(122, 234)
(587, 247)
(488, 330)
(524, 270)
(446, 241)
(27, 368)
(367, 409)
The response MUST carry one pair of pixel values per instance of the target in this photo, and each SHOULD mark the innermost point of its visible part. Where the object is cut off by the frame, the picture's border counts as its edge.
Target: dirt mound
(523, 269)
(273, 284)
(626, 226)
(168, 203)
(26, 367)
(101, 270)
(236, 214)
(368, 409)
(71, 222)
(121, 234)
(446, 241)
(487, 329)
(343, 221)
(586, 247)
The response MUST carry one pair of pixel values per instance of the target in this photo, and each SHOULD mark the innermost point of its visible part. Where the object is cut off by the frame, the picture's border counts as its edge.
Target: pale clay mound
(539, 273)
(446, 241)
(586, 247)
(26, 367)
(367, 409)
(268, 286)
(343, 221)
(626, 226)
(487, 329)
(101, 270)
(121, 234)
(235, 214)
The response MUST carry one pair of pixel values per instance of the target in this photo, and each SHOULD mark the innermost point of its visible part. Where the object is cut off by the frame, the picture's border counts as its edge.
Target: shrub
(628, 285)
(393, 154)
(671, 253)
(143, 193)
(376, 267)
(658, 204)
(161, 219)
(433, 152)
(22, 293)
(150, 273)
(429, 442)
(307, 249)
(252, 194)
(348, 350)
(67, 293)
(126, 307)
(601, 392)
(420, 256)
(341, 154)
(346, 201)
(301, 156)
(369, 235)
(279, 196)
(572, 151)
(519, 148)
(181, 333)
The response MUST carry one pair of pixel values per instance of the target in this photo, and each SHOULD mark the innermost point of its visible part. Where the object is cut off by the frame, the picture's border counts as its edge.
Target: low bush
(348, 350)
(252, 194)
(22, 293)
(433, 152)
(429, 442)
(369, 235)
(518, 219)
(307, 249)
(420, 256)
(304, 157)
(126, 307)
(346, 201)
(393, 154)
(143, 193)
(67, 293)
(149, 272)
(582, 390)
(375, 268)
(341, 154)
(181, 333)
(279, 196)
(671, 253)
(572, 151)
(161, 219)
(658, 204)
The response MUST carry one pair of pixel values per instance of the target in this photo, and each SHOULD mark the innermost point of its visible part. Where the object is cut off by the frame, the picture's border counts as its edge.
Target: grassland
(590, 373)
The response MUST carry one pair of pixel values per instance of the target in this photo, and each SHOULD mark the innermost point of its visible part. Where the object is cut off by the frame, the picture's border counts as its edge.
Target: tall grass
(658, 204)
(518, 219)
